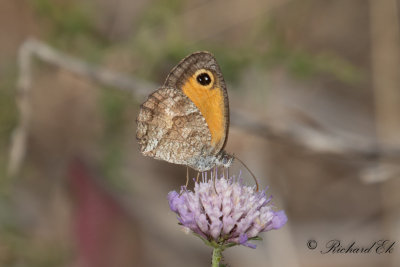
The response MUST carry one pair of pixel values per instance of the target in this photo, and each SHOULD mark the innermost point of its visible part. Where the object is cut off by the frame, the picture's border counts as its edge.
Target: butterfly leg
(227, 173)
(187, 176)
(215, 178)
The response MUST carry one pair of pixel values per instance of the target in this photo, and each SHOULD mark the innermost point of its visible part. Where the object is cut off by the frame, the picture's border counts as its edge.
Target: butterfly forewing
(213, 102)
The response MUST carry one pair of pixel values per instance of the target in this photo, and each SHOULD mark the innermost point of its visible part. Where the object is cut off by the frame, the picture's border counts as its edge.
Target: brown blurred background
(314, 93)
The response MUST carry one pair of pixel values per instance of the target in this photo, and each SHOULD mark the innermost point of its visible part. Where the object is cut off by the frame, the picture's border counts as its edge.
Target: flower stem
(216, 256)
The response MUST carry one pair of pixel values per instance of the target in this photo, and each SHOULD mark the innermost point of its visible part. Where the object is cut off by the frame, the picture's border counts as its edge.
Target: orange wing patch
(210, 102)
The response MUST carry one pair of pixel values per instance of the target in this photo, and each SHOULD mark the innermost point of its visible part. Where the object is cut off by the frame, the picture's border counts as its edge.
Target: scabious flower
(226, 215)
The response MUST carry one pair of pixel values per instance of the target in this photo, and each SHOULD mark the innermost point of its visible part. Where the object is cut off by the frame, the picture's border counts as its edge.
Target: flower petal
(279, 219)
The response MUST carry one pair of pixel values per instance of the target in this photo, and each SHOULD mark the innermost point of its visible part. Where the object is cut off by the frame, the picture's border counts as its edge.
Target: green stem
(216, 256)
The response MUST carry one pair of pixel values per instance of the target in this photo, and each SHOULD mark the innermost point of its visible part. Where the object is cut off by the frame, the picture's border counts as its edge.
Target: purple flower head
(233, 216)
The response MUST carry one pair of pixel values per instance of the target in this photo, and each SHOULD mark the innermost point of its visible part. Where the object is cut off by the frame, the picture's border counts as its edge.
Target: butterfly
(186, 121)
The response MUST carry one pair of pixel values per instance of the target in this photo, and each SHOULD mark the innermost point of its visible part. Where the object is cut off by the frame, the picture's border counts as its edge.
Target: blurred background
(314, 93)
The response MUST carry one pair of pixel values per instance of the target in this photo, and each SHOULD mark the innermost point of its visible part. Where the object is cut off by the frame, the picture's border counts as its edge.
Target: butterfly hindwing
(171, 128)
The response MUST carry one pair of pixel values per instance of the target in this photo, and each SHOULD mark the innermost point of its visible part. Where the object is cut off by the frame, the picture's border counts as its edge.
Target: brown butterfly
(186, 121)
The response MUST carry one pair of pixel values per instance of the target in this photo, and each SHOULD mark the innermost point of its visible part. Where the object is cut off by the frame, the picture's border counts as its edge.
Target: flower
(228, 214)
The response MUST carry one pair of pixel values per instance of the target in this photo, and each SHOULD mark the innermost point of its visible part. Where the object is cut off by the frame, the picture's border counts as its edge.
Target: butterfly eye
(203, 79)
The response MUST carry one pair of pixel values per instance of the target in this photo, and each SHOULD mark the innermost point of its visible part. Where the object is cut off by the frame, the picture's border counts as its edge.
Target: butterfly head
(224, 159)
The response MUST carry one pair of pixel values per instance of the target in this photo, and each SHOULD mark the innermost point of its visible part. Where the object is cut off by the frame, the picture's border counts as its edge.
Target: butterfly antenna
(252, 174)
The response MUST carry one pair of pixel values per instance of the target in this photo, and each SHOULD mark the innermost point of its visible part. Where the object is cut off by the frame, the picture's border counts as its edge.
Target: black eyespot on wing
(203, 79)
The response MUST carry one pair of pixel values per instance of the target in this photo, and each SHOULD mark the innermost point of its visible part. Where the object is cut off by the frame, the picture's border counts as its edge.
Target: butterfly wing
(210, 99)
(171, 128)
